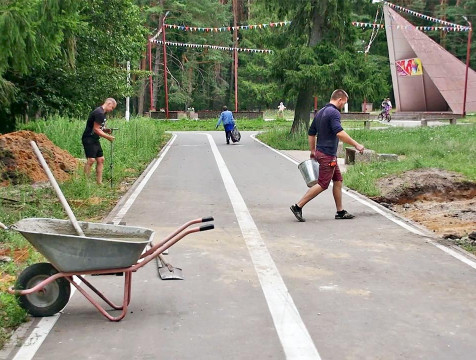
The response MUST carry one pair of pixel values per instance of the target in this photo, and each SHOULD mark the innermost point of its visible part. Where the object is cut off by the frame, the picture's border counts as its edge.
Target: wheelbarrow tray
(104, 246)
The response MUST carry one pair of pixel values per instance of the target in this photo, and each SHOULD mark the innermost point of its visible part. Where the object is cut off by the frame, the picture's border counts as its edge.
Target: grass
(450, 148)
(282, 139)
(446, 147)
(10, 316)
(209, 124)
(273, 114)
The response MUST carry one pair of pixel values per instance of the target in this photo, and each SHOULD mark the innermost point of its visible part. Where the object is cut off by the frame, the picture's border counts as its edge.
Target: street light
(165, 67)
(468, 51)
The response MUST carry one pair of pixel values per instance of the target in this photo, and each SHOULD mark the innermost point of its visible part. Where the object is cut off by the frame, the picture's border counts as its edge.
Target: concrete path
(264, 286)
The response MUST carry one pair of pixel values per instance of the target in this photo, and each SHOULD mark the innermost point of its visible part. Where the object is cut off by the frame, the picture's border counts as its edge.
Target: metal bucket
(309, 171)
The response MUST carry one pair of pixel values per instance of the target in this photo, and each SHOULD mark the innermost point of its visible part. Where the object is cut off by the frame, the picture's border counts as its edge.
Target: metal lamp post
(165, 68)
(468, 52)
(128, 85)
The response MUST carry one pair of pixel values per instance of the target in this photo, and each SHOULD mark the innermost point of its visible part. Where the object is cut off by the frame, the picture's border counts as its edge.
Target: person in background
(386, 106)
(389, 103)
(226, 117)
(327, 126)
(95, 128)
(281, 108)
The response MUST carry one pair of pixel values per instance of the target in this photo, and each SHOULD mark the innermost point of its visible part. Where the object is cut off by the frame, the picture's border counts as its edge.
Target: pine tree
(320, 55)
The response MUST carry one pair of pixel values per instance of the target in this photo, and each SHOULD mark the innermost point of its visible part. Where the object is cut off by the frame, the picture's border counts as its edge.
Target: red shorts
(328, 169)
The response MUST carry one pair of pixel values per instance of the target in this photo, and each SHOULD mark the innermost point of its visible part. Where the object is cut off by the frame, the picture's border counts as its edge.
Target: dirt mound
(19, 164)
(442, 201)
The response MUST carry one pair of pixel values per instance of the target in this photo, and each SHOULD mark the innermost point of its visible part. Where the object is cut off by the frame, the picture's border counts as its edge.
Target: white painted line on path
(389, 216)
(120, 214)
(276, 151)
(295, 339)
(31, 345)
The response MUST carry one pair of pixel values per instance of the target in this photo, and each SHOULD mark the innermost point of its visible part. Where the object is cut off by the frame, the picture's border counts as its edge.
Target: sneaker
(297, 213)
(344, 215)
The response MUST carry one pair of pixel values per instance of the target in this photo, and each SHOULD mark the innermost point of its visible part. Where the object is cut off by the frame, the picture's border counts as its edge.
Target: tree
(320, 55)
(32, 32)
(103, 34)
(192, 69)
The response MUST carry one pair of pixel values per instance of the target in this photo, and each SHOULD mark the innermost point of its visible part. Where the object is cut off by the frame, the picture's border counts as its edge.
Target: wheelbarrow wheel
(48, 301)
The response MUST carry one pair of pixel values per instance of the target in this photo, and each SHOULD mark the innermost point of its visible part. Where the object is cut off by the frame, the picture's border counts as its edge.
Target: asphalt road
(262, 285)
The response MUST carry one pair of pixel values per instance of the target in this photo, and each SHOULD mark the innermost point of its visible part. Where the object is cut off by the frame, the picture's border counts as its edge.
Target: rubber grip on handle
(207, 227)
(207, 219)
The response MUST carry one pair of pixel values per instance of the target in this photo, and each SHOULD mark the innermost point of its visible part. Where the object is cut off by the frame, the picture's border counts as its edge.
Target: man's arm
(312, 145)
(97, 130)
(344, 137)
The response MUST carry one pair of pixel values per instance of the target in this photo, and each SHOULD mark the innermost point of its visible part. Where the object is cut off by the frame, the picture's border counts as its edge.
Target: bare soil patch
(442, 201)
(19, 164)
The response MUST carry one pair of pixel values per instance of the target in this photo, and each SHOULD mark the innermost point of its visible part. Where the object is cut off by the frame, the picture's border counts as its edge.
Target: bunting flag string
(226, 28)
(426, 17)
(265, 51)
(368, 25)
(422, 28)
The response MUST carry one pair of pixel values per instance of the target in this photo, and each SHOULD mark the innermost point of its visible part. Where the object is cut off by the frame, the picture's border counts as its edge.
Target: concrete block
(340, 150)
(352, 156)
(387, 157)
(366, 156)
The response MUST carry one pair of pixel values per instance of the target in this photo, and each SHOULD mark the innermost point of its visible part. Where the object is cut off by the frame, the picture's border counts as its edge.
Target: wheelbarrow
(75, 248)
(44, 288)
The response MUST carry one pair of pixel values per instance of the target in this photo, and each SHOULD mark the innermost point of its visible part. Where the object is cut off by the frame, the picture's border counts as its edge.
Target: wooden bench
(365, 121)
(424, 122)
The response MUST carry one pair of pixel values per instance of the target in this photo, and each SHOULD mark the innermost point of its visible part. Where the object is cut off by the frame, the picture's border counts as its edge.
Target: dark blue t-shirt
(326, 125)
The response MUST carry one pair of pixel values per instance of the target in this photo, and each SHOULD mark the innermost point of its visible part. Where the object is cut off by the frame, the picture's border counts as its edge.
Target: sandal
(344, 215)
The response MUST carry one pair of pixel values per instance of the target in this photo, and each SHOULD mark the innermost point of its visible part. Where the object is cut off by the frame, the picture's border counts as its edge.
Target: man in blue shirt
(226, 117)
(327, 126)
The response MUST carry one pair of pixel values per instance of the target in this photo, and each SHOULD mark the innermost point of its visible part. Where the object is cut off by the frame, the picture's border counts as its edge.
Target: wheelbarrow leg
(98, 293)
(126, 299)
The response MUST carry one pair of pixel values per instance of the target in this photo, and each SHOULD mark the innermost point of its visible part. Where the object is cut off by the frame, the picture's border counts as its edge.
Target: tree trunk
(443, 17)
(304, 99)
(157, 64)
(234, 53)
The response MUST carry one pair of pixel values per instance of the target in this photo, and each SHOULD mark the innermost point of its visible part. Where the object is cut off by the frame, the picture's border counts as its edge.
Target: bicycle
(384, 115)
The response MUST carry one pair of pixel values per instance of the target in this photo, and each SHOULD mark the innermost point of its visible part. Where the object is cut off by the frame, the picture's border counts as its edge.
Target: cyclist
(386, 106)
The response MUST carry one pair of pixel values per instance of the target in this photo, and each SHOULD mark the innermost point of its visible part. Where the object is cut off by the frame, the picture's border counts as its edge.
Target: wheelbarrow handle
(3, 226)
(207, 227)
(175, 233)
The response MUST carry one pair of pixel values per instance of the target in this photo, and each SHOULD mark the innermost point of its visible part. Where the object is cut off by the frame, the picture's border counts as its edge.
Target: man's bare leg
(309, 195)
(337, 192)
(99, 169)
(88, 165)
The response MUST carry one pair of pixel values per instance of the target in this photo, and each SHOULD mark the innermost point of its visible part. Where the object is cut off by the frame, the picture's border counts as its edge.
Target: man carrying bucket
(327, 126)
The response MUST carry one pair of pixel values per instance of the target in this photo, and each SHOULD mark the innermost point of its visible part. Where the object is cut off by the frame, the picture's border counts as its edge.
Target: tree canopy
(65, 56)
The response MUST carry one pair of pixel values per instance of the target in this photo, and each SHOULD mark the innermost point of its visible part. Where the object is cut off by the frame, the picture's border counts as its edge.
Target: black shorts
(92, 148)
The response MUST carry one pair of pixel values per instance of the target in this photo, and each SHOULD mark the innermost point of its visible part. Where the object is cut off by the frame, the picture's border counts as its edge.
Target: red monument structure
(426, 77)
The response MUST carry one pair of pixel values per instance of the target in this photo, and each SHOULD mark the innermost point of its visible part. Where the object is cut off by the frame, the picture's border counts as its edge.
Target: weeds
(10, 316)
